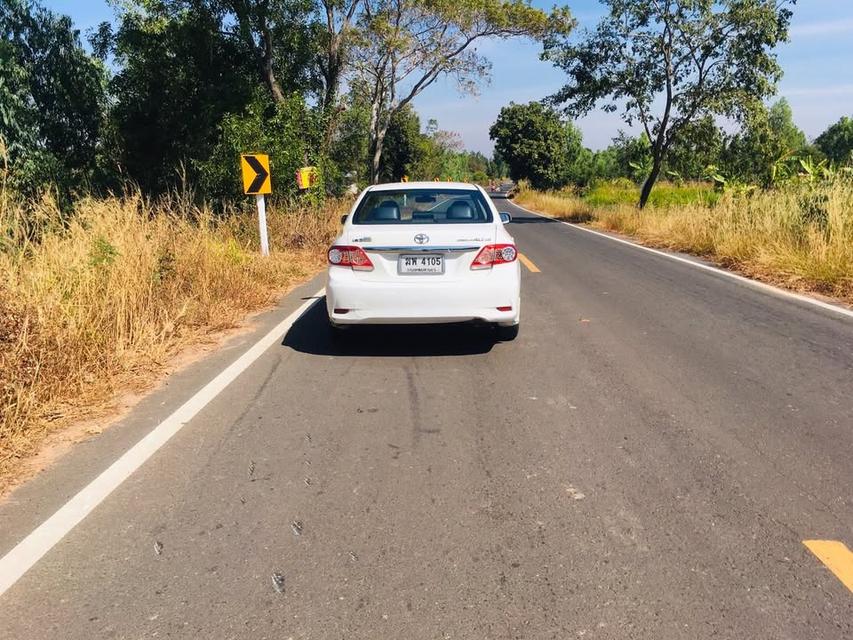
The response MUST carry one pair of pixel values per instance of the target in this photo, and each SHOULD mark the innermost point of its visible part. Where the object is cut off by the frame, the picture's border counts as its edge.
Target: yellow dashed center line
(527, 263)
(836, 556)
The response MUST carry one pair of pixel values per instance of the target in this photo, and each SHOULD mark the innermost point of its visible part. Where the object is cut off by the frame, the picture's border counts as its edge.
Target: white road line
(734, 276)
(32, 548)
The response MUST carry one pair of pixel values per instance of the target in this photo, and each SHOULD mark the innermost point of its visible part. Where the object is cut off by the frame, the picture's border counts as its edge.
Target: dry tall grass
(557, 204)
(97, 303)
(799, 236)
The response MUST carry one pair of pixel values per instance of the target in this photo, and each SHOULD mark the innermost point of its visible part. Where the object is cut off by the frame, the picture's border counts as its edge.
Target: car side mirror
(505, 217)
(344, 218)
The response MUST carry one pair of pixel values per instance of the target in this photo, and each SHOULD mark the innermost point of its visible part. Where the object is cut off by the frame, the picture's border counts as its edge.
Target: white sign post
(262, 224)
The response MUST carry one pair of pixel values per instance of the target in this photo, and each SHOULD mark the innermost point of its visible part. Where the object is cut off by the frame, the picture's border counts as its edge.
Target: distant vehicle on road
(423, 253)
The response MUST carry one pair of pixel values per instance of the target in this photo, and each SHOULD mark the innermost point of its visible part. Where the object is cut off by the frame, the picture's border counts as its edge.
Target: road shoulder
(806, 297)
(36, 499)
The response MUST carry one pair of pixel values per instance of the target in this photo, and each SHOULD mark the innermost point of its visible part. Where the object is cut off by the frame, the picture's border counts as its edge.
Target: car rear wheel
(507, 333)
(337, 331)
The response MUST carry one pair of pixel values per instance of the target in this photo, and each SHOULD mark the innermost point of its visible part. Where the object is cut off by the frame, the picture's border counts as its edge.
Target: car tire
(337, 332)
(507, 333)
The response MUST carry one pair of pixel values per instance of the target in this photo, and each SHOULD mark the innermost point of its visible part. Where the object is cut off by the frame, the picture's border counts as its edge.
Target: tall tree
(333, 31)
(276, 33)
(765, 149)
(439, 155)
(53, 98)
(403, 145)
(184, 64)
(178, 75)
(836, 142)
(665, 63)
(536, 144)
(780, 120)
(406, 45)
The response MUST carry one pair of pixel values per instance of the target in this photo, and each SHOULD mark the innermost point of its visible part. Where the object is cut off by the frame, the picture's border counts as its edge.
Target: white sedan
(421, 253)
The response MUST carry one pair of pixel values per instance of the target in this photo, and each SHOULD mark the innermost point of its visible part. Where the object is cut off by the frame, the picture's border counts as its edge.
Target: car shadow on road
(311, 334)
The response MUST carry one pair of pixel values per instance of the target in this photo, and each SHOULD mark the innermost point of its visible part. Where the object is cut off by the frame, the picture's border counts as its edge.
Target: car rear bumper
(420, 301)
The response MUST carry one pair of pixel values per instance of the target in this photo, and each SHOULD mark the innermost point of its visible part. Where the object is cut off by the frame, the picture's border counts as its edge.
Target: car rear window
(423, 206)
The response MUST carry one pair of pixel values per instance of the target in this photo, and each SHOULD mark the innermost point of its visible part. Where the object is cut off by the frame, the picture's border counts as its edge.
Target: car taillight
(493, 254)
(354, 257)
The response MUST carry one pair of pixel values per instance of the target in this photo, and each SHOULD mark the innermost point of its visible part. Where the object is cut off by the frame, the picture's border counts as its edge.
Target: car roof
(397, 186)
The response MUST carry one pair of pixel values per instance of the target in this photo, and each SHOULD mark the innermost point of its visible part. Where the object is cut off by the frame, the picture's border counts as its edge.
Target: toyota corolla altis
(424, 252)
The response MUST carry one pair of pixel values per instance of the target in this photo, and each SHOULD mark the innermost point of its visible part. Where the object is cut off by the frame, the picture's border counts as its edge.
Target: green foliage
(404, 146)
(52, 100)
(439, 156)
(592, 166)
(786, 134)
(632, 156)
(668, 194)
(17, 126)
(404, 46)
(172, 91)
(815, 171)
(699, 145)
(103, 254)
(536, 144)
(765, 151)
(837, 142)
(663, 65)
(349, 145)
(497, 167)
(288, 132)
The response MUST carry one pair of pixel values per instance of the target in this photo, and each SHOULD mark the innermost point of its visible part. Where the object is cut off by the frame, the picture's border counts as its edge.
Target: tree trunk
(332, 71)
(267, 68)
(274, 86)
(650, 180)
(376, 148)
(264, 50)
(331, 80)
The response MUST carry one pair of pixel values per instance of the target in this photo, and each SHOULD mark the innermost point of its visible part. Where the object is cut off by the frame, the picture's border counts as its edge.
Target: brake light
(354, 257)
(493, 254)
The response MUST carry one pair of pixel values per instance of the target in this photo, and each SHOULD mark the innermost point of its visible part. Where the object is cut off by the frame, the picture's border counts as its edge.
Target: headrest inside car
(460, 210)
(387, 210)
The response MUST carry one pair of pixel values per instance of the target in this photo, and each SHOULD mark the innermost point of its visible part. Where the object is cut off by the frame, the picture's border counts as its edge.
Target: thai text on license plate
(421, 264)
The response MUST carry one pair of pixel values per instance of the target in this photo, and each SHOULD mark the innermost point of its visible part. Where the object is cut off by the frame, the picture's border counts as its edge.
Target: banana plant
(641, 169)
(674, 176)
(780, 169)
(712, 173)
(813, 171)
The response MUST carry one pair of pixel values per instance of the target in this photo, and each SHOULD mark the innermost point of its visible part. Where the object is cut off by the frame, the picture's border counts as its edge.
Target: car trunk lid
(393, 248)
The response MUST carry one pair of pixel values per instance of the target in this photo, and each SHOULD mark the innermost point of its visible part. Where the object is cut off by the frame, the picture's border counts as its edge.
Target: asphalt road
(644, 461)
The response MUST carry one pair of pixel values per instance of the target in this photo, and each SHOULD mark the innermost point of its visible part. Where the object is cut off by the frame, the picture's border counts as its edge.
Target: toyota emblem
(421, 238)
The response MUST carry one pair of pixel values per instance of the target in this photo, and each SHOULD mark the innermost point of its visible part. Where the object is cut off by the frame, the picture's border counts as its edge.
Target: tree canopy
(171, 91)
(536, 144)
(406, 45)
(53, 98)
(665, 63)
(837, 141)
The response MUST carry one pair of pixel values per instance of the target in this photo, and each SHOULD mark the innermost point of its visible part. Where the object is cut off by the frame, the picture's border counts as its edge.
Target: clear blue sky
(818, 64)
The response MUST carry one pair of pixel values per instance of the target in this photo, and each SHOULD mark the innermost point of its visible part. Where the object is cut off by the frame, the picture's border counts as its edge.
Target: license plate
(425, 264)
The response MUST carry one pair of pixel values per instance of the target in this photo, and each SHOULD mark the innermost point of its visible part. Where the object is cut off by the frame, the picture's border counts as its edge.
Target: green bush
(287, 132)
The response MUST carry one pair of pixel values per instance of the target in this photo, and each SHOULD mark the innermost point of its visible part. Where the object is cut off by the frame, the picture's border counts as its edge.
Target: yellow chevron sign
(256, 174)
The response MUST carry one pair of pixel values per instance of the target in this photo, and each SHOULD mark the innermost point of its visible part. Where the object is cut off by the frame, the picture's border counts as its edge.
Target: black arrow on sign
(260, 178)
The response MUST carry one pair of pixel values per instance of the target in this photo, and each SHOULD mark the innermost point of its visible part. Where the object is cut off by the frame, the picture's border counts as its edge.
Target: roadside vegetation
(758, 196)
(798, 235)
(125, 237)
(124, 234)
(98, 303)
